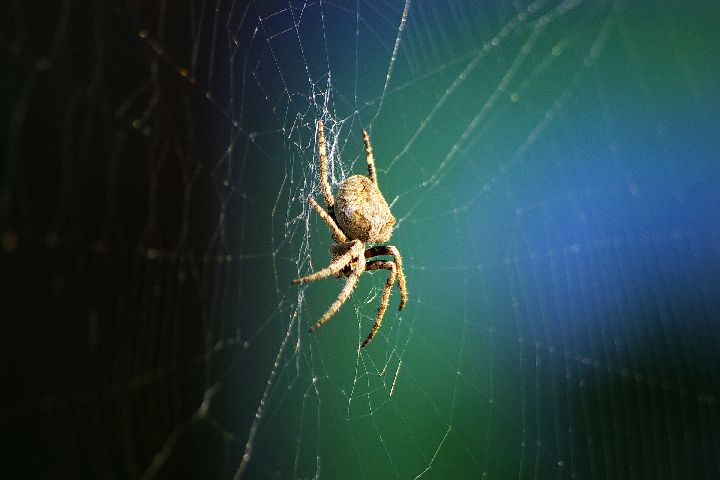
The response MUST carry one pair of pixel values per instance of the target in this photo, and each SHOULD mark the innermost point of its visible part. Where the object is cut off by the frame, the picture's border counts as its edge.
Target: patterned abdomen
(362, 212)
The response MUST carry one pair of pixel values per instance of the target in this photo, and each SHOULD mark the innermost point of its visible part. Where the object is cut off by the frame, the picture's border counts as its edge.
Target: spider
(358, 215)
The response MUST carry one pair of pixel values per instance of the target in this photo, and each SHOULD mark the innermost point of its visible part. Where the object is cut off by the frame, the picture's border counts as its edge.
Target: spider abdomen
(362, 212)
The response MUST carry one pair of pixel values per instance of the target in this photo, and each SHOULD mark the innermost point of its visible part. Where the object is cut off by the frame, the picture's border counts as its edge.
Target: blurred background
(554, 168)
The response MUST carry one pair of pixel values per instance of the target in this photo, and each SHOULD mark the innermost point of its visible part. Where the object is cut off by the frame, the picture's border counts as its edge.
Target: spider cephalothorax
(359, 214)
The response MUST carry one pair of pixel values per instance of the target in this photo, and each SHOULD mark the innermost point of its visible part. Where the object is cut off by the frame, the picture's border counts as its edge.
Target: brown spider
(360, 214)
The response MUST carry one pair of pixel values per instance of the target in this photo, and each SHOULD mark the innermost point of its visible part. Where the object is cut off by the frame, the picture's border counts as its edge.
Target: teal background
(554, 170)
(558, 228)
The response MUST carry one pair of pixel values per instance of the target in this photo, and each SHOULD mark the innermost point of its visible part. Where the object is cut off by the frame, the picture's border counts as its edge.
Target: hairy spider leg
(322, 151)
(391, 250)
(337, 234)
(377, 265)
(343, 295)
(370, 157)
(354, 251)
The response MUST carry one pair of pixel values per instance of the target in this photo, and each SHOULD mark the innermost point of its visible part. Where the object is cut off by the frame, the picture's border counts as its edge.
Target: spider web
(553, 169)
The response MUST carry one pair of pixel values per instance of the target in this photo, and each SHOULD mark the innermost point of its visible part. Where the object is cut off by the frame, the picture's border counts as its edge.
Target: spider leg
(343, 295)
(322, 151)
(385, 299)
(391, 250)
(370, 157)
(337, 234)
(335, 266)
